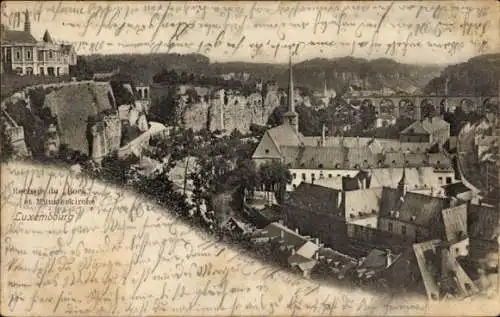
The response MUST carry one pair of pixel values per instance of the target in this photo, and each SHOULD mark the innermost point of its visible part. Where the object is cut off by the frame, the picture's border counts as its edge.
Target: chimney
(27, 23)
(388, 258)
(323, 135)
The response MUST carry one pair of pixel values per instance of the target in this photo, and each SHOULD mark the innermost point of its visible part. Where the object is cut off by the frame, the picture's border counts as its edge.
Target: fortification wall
(233, 112)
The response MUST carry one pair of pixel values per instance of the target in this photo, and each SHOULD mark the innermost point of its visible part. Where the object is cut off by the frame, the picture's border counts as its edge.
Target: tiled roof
(415, 178)
(319, 157)
(377, 259)
(416, 127)
(417, 208)
(290, 237)
(18, 37)
(434, 124)
(283, 135)
(484, 222)
(313, 197)
(363, 200)
(455, 223)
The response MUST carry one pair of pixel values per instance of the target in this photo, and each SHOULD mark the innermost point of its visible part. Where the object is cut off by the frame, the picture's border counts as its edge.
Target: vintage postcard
(250, 158)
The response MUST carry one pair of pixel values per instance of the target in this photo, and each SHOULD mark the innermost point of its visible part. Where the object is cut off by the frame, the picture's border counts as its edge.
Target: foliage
(478, 76)
(274, 176)
(6, 148)
(116, 170)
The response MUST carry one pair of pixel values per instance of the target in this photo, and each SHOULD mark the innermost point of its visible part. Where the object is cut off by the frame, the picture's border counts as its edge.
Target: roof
(435, 124)
(415, 177)
(455, 223)
(307, 250)
(315, 198)
(378, 259)
(415, 128)
(455, 189)
(430, 263)
(47, 38)
(319, 157)
(290, 237)
(18, 37)
(484, 222)
(364, 201)
(284, 135)
(416, 208)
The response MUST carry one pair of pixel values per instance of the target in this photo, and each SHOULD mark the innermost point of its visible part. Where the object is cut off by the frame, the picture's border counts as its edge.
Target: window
(390, 227)
(294, 175)
(320, 166)
(457, 250)
(40, 55)
(313, 176)
(19, 70)
(18, 55)
(303, 176)
(330, 175)
(403, 230)
(440, 179)
(42, 71)
(267, 151)
(448, 180)
(51, 54)
(28, 54)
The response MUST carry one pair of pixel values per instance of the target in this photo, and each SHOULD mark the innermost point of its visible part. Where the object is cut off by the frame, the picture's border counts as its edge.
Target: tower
(402, 185)
(27, 23)
(291, 117)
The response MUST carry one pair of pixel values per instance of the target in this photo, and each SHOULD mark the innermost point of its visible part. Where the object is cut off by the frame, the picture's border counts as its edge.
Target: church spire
(291, 116)
(291, 101)
(27, 23)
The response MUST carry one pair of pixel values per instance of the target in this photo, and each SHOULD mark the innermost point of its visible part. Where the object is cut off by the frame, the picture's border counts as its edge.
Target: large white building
(21, 53)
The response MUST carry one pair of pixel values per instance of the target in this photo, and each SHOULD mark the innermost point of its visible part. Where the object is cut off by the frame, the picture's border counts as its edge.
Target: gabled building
(429, 130)
(442, 276)
(22, 54)
(412, 215)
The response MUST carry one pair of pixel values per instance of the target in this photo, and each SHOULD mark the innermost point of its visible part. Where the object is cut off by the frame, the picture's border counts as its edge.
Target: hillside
(479, 75)
(339, 72)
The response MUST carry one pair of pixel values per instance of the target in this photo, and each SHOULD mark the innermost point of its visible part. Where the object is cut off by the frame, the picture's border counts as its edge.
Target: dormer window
(320, 166)
(413, 218)
(267, 151)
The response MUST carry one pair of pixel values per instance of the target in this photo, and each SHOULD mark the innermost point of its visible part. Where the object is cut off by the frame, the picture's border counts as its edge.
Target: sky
(411, 32)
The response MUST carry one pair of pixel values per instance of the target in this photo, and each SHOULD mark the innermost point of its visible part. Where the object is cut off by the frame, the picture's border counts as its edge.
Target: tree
(6, 150)
(274, 176)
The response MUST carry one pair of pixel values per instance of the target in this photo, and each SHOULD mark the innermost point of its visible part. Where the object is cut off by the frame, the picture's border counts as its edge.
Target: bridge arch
(407, 108)
(467, 105)
(386, 106)
(427, 108)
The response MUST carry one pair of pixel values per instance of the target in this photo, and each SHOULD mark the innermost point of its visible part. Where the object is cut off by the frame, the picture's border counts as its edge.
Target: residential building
(411, 215)
(483, 229)
(429, 130)
(442, 276)
(23, 54)
(318, 211)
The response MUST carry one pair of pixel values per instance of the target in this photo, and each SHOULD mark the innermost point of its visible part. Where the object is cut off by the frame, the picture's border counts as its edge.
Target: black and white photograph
(237, 158)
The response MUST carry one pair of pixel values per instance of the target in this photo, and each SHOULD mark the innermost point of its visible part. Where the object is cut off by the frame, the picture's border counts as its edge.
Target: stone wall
(233, 112)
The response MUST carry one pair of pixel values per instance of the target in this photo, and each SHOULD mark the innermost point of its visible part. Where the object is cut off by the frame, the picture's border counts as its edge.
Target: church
(328, 159)
(22, 54)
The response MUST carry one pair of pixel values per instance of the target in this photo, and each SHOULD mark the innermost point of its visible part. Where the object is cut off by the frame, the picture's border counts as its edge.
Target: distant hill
(338, 73)
(480, 75)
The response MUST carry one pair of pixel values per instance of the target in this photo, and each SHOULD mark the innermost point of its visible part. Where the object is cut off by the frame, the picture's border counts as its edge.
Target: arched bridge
(411, 106)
